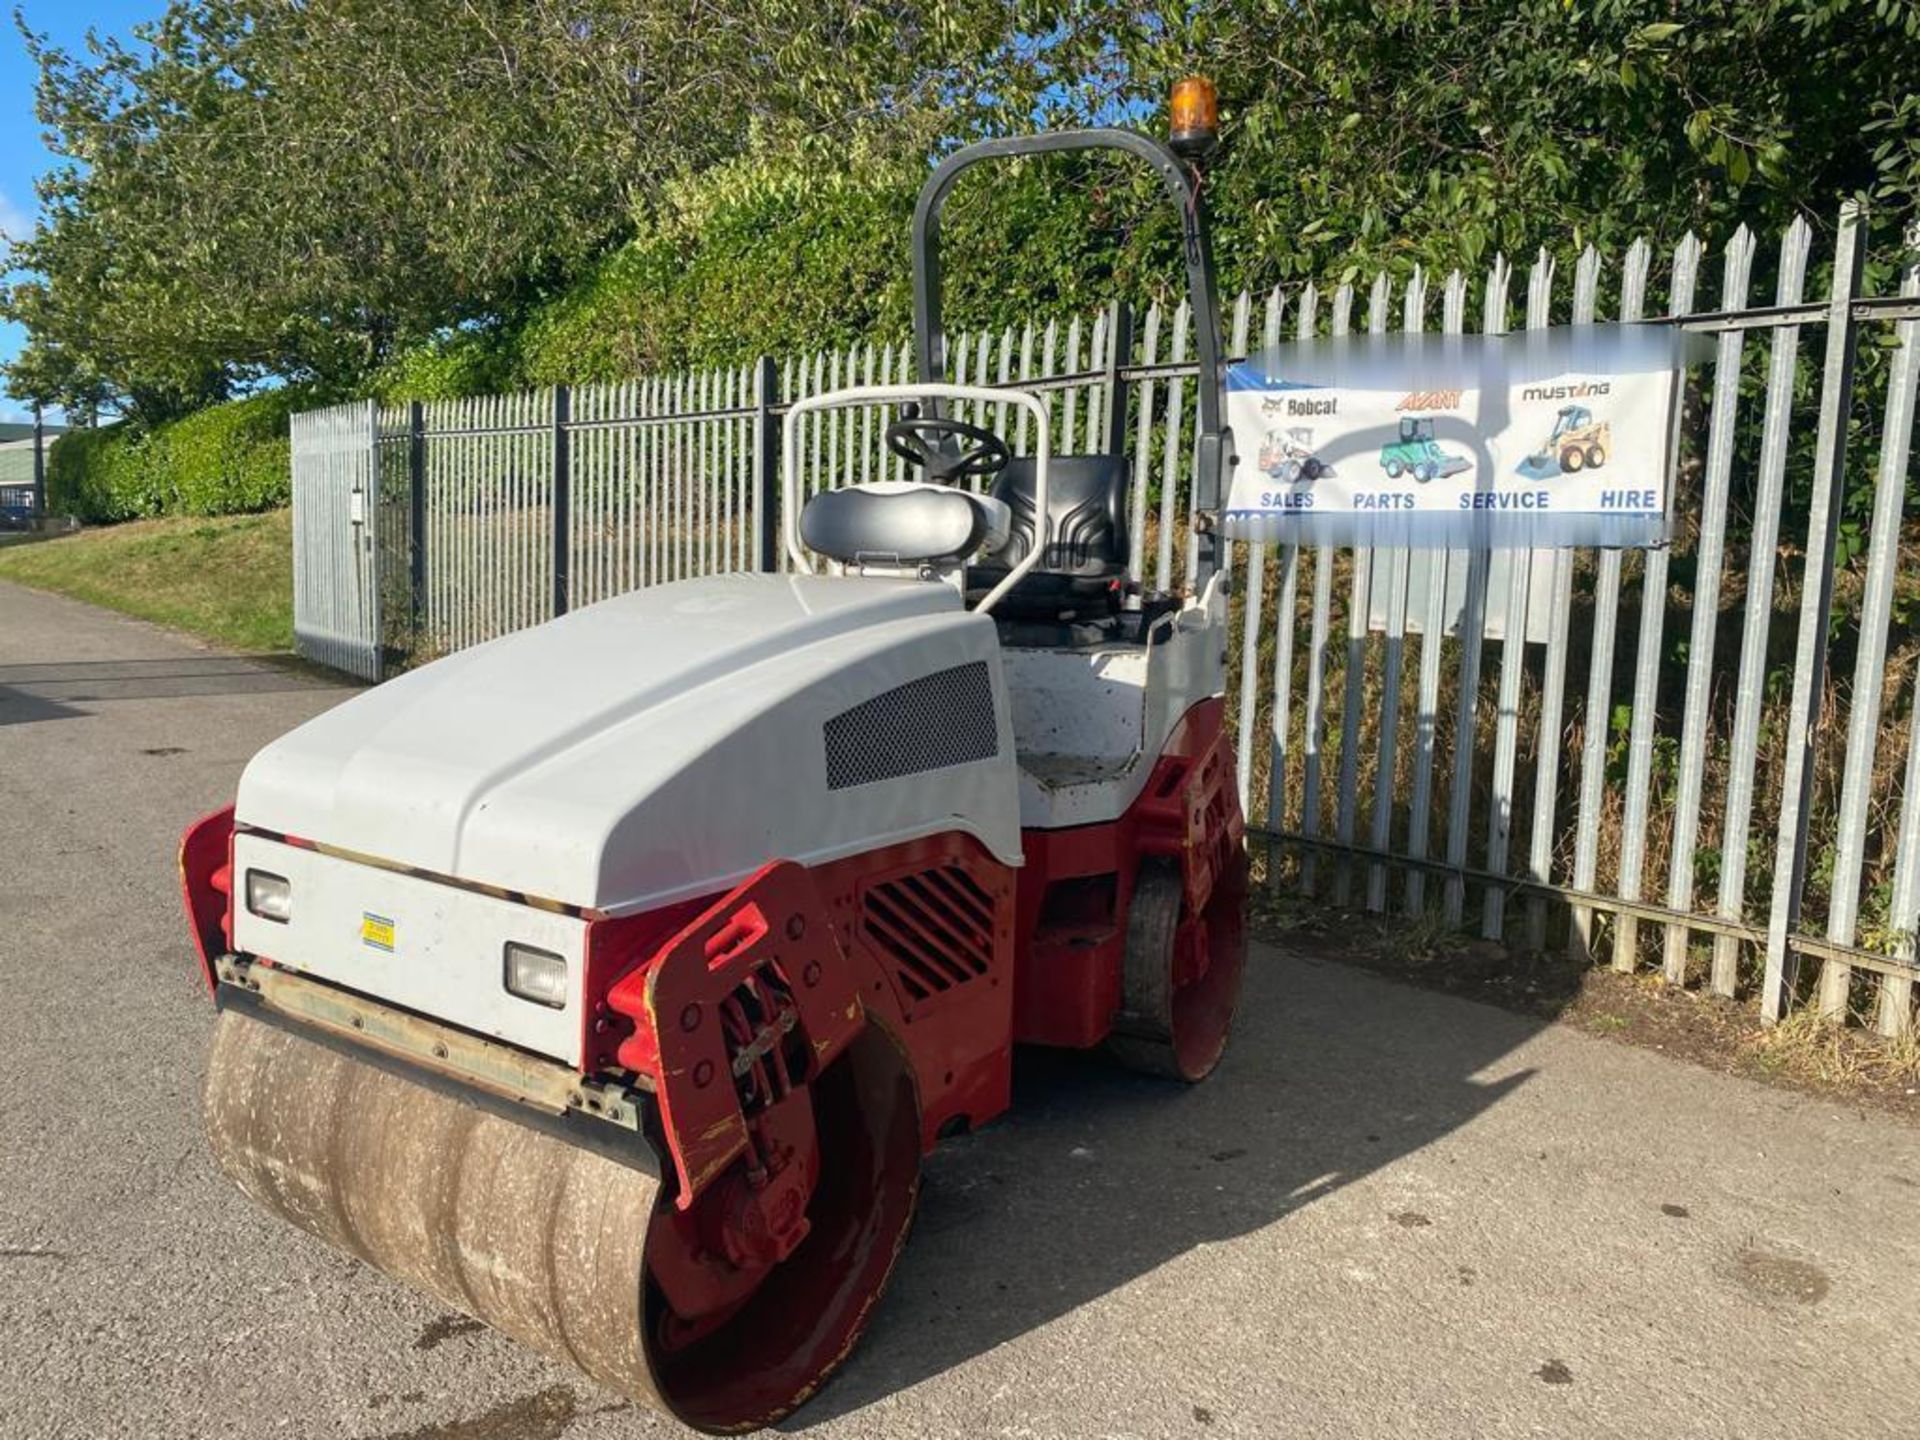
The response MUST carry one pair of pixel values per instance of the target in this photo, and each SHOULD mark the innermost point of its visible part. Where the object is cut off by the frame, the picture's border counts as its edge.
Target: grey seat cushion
(901, 522)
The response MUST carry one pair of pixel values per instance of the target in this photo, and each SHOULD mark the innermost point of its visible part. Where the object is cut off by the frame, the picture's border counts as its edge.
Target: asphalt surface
(1390, 1214)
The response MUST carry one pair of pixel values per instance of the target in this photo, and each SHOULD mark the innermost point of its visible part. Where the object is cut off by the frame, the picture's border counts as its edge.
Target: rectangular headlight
(536, 975)
(269, 896)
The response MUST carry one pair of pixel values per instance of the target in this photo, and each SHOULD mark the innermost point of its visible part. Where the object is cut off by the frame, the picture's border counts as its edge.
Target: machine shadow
(50, 689)
(1098, 1176)
(23, 707)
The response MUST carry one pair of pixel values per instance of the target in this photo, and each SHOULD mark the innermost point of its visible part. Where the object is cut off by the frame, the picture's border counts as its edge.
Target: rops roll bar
(1214, 447)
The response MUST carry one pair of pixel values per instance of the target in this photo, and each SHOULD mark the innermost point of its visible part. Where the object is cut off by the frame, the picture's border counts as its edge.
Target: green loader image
(1418, 454)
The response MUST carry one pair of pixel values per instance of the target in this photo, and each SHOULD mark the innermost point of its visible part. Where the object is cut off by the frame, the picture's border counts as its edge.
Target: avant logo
(1578, 390)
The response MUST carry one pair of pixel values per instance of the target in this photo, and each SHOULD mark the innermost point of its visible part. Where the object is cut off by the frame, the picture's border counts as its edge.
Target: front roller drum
(550, 1242)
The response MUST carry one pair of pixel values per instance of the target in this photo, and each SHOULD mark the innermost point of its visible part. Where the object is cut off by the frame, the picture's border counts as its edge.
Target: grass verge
(228, 580)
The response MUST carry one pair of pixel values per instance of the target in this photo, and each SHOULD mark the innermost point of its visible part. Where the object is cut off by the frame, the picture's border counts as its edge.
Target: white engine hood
(630, 753)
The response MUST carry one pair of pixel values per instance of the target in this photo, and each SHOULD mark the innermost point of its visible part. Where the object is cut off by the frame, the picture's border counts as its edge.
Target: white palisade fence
(1698, 760)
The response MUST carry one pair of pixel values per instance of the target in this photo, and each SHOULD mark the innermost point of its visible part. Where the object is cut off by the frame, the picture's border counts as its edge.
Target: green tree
(468, 192)
(259, 187)
(1357, 135)
(1404, 130)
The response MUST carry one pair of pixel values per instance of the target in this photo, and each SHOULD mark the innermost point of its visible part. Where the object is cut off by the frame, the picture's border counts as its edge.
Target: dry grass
(1802, 1047)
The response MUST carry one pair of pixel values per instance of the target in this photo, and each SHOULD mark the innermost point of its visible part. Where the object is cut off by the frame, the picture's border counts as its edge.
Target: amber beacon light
(1194, 117)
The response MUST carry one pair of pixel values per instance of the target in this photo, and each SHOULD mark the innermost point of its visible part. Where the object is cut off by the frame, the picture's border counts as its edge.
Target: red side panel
(930, 924)
(922, 931)
(959, 956)
(615, 949)
(1073, 895)
(762, 961)
(1077, 886)
(206, 886)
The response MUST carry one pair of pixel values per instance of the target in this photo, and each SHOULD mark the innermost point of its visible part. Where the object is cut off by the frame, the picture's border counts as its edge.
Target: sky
(22, 155)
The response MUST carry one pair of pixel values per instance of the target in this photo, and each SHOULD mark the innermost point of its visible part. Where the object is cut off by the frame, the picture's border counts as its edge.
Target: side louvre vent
(941, 719)
(936, 927)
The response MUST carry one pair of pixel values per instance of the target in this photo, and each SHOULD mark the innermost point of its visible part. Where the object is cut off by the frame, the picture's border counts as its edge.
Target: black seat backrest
(1087, 498)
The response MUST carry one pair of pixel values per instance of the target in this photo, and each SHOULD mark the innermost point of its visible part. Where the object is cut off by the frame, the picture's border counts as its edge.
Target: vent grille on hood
(941, 719)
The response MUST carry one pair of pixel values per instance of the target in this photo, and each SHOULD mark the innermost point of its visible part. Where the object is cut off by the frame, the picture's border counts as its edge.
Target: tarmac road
(1391, 1214)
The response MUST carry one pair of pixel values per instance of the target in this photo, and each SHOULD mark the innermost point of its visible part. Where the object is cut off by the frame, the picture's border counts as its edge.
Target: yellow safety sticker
(376, 931)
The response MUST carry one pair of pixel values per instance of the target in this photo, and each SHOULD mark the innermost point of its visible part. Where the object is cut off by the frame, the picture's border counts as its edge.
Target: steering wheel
(919, 440)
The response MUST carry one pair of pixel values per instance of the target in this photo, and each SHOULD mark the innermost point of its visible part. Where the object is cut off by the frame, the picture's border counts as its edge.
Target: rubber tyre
(1596, 457)
(1394, 469)
(1572, 462)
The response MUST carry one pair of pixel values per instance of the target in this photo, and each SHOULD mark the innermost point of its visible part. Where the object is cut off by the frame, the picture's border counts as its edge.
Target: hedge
(228, 459)
(764, 256)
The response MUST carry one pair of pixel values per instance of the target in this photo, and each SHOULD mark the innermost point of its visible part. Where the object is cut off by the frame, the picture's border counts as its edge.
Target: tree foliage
(461, 194)
(269, 188)
(793, 256)
(1445, 132)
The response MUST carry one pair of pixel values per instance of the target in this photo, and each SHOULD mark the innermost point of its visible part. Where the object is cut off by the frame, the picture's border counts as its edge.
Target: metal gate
(336, 554)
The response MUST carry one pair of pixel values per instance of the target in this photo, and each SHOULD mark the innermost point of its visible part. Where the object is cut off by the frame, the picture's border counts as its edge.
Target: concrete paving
(1390, 1214)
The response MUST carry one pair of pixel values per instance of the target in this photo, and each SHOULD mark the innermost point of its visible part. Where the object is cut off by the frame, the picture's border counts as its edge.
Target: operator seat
(1081, 569)
(902, 523)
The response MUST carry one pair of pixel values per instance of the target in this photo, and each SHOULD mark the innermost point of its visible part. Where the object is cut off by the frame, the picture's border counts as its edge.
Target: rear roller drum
(557, 1246)
(1182, 976)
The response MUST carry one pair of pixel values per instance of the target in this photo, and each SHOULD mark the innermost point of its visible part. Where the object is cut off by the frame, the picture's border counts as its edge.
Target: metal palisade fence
(1699, 761)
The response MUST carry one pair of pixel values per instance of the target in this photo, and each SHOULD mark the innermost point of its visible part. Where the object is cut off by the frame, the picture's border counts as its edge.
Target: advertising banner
(1541, 438)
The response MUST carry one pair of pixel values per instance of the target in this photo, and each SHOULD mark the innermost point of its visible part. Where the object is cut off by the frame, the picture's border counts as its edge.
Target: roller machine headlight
(608, 981)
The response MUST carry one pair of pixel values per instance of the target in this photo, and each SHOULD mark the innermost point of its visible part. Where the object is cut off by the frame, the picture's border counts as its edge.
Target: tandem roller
(608, 982)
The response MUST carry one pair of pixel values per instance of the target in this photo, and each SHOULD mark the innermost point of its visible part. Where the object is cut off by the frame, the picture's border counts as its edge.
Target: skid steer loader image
(1577, 443)
(608, 981)
(1288, 456)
